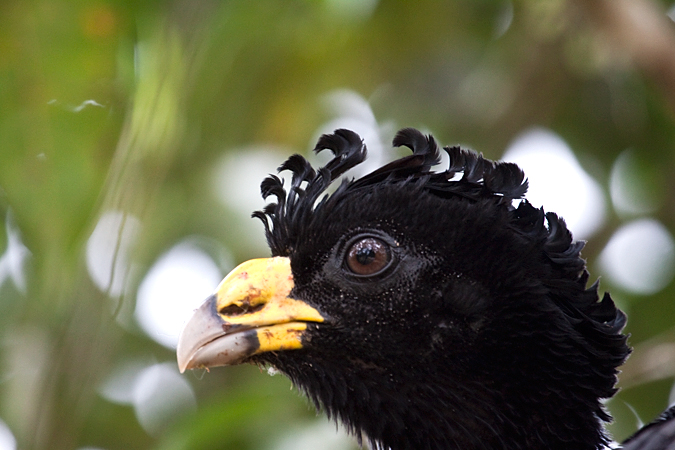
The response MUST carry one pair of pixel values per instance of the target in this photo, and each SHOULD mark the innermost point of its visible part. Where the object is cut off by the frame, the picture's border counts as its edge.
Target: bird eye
(368, 256)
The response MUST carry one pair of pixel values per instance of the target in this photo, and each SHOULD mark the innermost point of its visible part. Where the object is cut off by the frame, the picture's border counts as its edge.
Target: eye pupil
(365, 256)
(368, 256)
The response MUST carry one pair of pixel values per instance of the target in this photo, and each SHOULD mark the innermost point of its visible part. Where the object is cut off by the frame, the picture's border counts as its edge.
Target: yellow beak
(250, 313)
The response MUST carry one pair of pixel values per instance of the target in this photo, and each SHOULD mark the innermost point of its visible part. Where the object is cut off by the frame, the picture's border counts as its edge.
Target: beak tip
(184, 354)
(182, 366)
(202, 327)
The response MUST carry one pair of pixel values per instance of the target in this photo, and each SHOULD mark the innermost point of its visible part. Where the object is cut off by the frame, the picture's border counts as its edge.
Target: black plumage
(453, 314)
(658, 435)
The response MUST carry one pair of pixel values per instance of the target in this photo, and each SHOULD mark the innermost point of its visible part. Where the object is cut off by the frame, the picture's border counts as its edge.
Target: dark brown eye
(368, 256)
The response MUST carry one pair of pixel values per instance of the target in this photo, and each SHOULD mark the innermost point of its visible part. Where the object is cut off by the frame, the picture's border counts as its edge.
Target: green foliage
(114, 105)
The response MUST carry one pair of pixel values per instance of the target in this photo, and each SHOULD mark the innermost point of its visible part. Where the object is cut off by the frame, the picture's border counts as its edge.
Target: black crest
(481, 178)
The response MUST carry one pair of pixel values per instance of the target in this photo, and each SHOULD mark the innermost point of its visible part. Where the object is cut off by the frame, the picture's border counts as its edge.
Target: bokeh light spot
(352, 9)
(7, 440)
(351, 111)
(320, 434)
(628, 187)
(238, 175)
(640, 257)
(504, 19)
(12, 262)
(157, 392)
(557, 181)
(175, 285)
(108, 251)
(119, 384)
(160, 394)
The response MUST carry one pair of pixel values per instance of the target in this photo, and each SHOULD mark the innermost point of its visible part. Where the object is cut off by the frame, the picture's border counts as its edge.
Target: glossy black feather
(658, 435)
(482, 335)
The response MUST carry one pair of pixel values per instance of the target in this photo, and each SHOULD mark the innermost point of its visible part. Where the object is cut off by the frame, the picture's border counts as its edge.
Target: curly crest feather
(481, 178)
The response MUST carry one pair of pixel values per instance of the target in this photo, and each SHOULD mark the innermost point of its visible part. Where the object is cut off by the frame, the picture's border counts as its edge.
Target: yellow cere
(256, 294)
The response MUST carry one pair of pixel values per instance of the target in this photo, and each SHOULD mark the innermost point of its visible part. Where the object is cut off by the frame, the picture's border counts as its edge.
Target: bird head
(421, 308)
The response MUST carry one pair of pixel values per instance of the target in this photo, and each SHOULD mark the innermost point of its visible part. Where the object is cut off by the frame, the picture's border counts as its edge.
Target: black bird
(422, 309)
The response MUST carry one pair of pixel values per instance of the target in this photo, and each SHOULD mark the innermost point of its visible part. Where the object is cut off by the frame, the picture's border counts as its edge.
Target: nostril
(238, 310)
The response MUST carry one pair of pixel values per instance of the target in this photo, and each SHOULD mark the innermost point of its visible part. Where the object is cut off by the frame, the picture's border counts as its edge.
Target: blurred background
(134, 136)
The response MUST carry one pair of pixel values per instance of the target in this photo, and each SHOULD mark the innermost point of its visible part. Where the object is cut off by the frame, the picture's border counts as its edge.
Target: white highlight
(84, 104)
(108, 250)
(628, 190)
(320, 434)
(640, 257)
(671, 12)
(157, 392)
(236, 183)
(557, 180)
(119, 386)
(177, 283)
(7, 439)
(78, 108)
(353, 112)
(238, 175)
(161, 393)
(504, 20)
(352, 9)
(12, 262)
